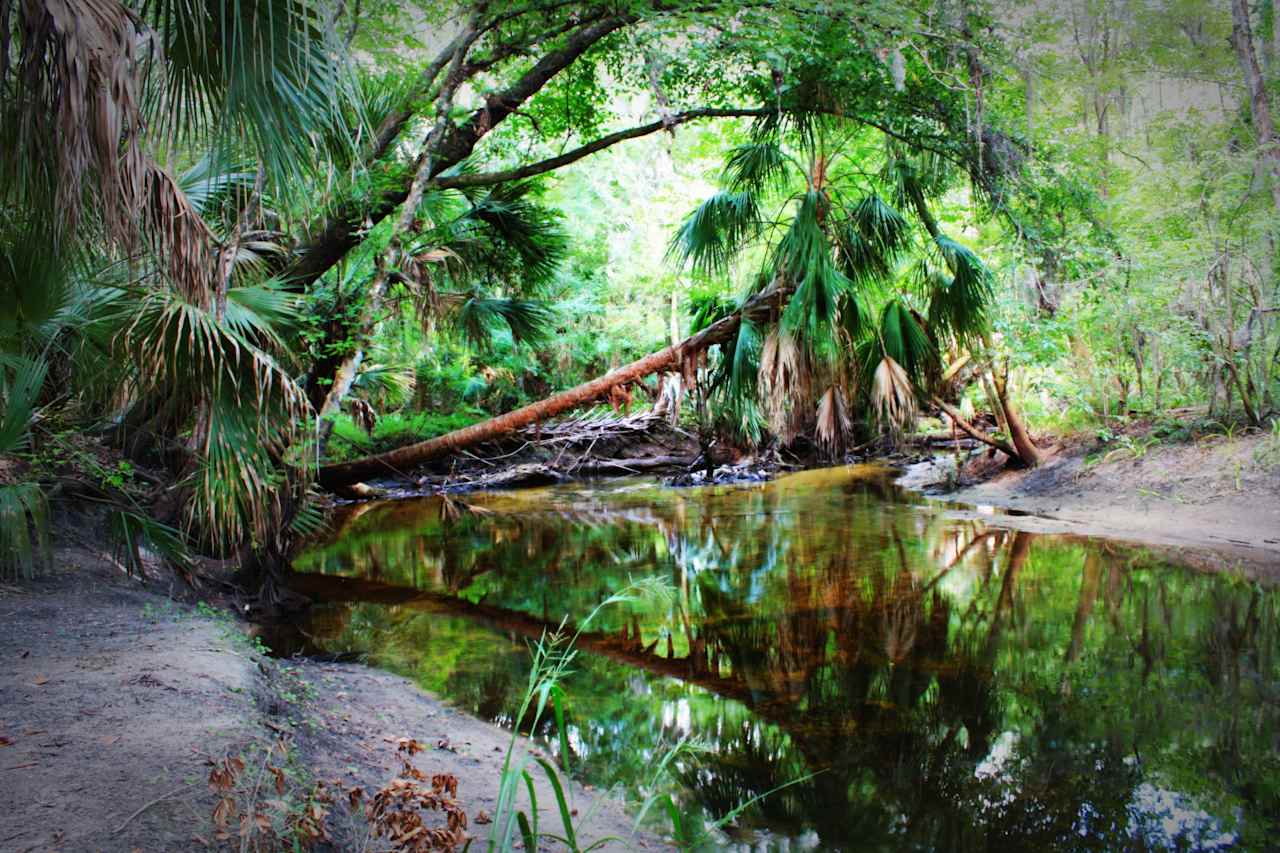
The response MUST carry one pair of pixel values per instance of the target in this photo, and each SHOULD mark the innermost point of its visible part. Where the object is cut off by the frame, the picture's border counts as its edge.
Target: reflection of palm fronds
(900, 620)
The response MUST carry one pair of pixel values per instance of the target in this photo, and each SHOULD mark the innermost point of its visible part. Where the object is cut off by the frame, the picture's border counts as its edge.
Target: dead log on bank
(401, 461)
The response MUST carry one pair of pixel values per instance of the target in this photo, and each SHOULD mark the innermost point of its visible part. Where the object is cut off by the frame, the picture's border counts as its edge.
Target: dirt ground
(114, 699)
(1215, 501)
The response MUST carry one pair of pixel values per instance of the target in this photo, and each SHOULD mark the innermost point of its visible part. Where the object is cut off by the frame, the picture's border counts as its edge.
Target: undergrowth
(349, 441)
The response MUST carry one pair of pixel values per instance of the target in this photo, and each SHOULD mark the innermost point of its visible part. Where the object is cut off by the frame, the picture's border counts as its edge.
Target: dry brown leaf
(40, 679)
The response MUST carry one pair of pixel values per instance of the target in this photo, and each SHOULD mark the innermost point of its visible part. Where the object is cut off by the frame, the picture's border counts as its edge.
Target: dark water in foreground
(954, 685)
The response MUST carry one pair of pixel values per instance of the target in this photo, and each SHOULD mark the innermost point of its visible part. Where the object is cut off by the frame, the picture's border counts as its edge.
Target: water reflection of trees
(957, 686)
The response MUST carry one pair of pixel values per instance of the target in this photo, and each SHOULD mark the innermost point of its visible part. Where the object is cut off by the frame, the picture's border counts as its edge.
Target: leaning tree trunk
(1028, 453)
(398, 462)
(389, 261)
(1259, 107)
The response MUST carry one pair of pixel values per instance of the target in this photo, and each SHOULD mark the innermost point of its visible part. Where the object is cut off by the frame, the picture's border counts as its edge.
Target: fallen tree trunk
(399, 462)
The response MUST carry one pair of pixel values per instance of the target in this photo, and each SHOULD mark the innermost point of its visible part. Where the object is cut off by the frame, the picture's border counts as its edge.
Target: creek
(897, 676)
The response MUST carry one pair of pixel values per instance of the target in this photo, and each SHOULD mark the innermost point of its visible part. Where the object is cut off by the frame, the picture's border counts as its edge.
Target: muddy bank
(117, 702)
(1215, 501)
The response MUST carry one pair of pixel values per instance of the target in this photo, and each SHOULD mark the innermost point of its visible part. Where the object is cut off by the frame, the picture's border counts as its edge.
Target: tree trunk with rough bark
(1259, 107)
(400, 461)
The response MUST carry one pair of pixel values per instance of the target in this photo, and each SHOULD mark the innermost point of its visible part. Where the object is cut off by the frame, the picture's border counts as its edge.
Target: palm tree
(866, 307)
(151, 285)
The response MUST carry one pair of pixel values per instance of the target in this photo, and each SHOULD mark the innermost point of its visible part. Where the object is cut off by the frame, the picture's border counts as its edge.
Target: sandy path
(113, 698)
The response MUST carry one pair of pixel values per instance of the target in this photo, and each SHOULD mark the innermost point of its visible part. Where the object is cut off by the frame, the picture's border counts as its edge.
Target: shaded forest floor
(1214, 498)
(118, 702)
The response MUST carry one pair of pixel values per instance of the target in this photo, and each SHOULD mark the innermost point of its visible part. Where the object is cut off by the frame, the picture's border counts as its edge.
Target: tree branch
(553, 163)
(344, 229)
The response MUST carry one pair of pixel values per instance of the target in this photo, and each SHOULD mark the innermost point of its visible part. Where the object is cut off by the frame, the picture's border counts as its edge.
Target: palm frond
(74, 123)
(856, 320)
(744, 360)
(249, 73)
(528, 320)
(381, 381)
(755, 167)
(236, 495)
(531, 233)
(131, 532)
(892, 395)
(209, 181)
(175, 344)
(834, 427)
(804, 256)
(717, 231)
(34, 280)
(785, 384)
(24, 529)
(959, 306)
(871, 239)
(264, 313)
(708, 308)
(74, 136)
(904, 342)
(20, 382)
(310, 520)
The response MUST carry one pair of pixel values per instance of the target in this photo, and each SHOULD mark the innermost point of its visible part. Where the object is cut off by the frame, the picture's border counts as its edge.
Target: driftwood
(543, 474)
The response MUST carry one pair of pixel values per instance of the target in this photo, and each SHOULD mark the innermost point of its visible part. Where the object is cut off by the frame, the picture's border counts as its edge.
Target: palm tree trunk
(398, 462)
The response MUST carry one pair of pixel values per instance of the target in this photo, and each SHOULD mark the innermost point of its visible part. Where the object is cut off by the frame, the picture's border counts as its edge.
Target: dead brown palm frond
(364, 416)
(177, 233)
(79, 104)
(785, 384)
(75, 131)
(834, 428)
(430, 302)
(892, 396)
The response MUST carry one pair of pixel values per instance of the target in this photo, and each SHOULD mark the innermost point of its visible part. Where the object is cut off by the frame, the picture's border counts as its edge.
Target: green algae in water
(953, 685)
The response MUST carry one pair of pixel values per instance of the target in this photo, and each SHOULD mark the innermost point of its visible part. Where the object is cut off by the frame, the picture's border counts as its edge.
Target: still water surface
(952, 684)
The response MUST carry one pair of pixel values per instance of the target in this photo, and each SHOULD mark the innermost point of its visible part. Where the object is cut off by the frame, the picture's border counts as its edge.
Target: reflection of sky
(1157, 814)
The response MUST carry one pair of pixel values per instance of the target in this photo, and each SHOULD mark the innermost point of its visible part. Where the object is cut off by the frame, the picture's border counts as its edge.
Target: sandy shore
(1215, 502)
(116, 701)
